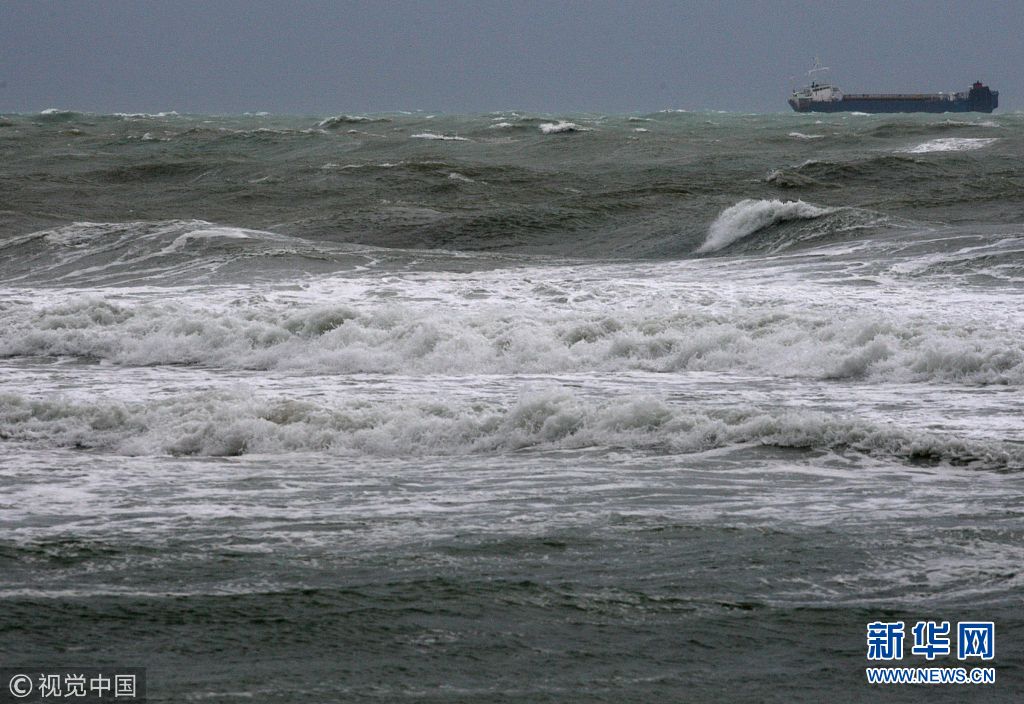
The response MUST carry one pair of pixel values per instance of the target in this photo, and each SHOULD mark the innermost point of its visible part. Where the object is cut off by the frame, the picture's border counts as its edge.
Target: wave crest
(58, 115)
(345, 120)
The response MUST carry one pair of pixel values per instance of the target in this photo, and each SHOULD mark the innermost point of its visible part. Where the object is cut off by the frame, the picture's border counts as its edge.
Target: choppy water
(509, 408)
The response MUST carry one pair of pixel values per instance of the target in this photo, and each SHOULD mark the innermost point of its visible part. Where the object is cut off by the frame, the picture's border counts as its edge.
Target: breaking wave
(561, 127)
(235, 423)
(749, 216)
(156, 252)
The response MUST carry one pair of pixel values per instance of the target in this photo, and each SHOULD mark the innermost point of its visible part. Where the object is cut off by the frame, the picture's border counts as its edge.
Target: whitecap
(340, 120)
(951, 144)
(441, 137)
(560, 127)
(145, 115)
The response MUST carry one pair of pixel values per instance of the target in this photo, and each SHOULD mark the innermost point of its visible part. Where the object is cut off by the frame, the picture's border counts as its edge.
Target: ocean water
(510, 407)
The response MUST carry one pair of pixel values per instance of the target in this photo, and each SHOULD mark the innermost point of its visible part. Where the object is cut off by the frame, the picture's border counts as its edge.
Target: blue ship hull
(978, 99)
(873, 106)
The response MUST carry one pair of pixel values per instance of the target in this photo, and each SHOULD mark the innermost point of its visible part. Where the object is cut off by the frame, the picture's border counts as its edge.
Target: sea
(511, 407)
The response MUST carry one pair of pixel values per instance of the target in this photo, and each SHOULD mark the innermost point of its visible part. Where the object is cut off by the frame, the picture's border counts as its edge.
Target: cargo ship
(821, 95)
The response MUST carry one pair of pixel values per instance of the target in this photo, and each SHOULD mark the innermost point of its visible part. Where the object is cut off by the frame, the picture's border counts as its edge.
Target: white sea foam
(801, 135)
(561, 127)
(382, 165)
(514, 331)
(640, 129)
(951, 144)
(442, 137)
(500, 126)
(748, 216)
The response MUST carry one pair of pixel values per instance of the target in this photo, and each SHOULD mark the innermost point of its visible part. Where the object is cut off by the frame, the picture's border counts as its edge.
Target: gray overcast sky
(300, 56)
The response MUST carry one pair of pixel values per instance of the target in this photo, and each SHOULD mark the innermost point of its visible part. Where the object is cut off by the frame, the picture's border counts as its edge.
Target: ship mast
(817, 68)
